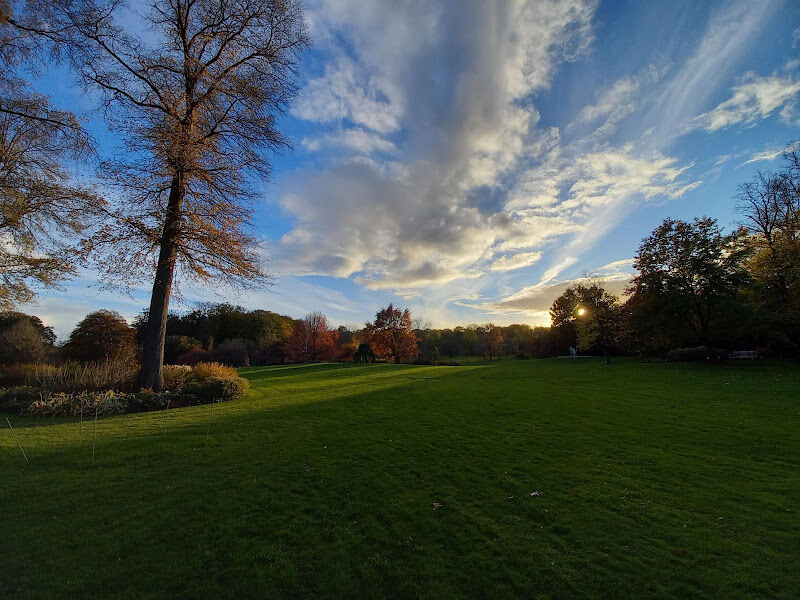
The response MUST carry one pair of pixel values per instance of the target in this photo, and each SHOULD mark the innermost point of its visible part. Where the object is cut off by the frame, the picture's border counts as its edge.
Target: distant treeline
(698, 292)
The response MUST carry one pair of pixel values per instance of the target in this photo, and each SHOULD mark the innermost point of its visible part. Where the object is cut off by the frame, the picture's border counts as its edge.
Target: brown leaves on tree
(393, 334)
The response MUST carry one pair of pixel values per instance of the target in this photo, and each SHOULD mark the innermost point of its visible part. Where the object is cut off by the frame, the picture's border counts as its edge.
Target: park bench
(741, 354)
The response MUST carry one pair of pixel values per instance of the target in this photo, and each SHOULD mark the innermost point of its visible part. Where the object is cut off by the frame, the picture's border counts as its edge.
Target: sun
(581, 312)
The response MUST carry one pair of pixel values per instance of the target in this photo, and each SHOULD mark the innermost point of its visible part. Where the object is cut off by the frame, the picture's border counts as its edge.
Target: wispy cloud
(754, 98)
(766, 155)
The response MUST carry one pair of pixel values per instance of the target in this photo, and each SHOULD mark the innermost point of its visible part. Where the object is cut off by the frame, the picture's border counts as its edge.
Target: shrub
(178, 345)
(232, 352)
(86, 403)
(449, 363)
(18, 398)
(688, 354)
(364, 354)
(215, 389)
(203, 371)
(175, 376)
(192, 357)
(21, 342)
(148, 400)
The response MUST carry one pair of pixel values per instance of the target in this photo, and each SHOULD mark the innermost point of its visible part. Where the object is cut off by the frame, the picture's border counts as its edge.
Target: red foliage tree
(312, 339)
(393, 334)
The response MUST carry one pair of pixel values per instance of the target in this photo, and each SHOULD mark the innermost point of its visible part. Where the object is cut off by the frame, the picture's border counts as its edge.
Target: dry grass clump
(213, 369)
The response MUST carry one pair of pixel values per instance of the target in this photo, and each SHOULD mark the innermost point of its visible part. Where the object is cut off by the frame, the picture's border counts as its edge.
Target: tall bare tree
(194, 95)
(43, 211)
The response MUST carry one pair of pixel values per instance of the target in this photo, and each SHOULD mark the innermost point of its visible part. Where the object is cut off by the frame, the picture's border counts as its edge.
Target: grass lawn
(655, 480)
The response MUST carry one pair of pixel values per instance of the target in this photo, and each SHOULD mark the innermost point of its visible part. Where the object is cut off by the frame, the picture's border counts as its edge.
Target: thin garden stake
(165, 417)
(94, 435)
(18, 444)
(80, 427)
(210, 418)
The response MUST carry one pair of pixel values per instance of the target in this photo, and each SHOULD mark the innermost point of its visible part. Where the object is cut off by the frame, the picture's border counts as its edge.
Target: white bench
(741, 354)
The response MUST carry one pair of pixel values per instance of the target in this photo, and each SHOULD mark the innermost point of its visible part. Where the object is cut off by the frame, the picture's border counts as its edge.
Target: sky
(470, 159)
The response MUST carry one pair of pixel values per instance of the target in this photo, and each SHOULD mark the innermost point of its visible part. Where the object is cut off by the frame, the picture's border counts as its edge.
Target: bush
(175, 376)
(148, 400)
(449, 363)
(232, 352)
(698, 353)
(215, 389)
(21, 342)
(192, 357)
(18, 398)
(203, 371)
(72, 405)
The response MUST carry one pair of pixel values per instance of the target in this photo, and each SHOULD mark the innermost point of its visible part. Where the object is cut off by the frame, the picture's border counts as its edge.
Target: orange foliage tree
(312, 339)
(393, 334)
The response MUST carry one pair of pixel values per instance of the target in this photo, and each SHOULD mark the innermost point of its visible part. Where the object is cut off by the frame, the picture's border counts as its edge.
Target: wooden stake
(94, 435)
(80, 427)
(165, 416)
(210, 418)
(18, 444)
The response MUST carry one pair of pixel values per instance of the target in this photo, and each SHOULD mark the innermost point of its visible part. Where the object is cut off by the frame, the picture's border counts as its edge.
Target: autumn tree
(21, 342)
(195, 100)
(393, 334)
(101, 335)
(312, 339)
(490, 341)
(44, 213)
(692, 272)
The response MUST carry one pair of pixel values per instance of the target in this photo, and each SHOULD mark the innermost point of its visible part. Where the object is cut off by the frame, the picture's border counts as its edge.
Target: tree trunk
(153, 349)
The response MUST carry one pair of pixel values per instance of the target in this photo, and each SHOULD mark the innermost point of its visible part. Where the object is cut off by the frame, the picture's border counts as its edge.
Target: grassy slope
(656, 480)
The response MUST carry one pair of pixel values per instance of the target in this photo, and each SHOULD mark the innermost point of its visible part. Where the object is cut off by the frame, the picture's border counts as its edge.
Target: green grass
(657, 481)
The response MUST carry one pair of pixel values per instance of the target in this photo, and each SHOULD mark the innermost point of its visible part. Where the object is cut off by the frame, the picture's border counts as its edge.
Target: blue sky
(469, 159)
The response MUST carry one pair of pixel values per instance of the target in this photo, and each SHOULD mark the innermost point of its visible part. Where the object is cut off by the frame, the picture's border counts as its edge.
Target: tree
(46, 333)
(101, 335)
(770, 205)
(691, 271)
(312, 339)
(43, 211)
(393, 335)
(599, 320)
(364, 354)
(591, 314)
(21, 342)
(490, 341)
(195, 102)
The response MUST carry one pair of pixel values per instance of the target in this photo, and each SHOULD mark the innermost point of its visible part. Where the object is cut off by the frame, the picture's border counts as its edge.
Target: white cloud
(462, 122)
(473, 186)
(534, 301)
(728, 33)
(754, 98)
(510, 262)
(356, 139)
(766, 155)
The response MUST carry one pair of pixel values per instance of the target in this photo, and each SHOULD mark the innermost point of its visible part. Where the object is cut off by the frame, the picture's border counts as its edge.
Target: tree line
(698, 292)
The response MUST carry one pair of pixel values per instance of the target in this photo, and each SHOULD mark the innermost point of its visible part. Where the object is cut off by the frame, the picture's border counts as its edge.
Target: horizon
(472, 182)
